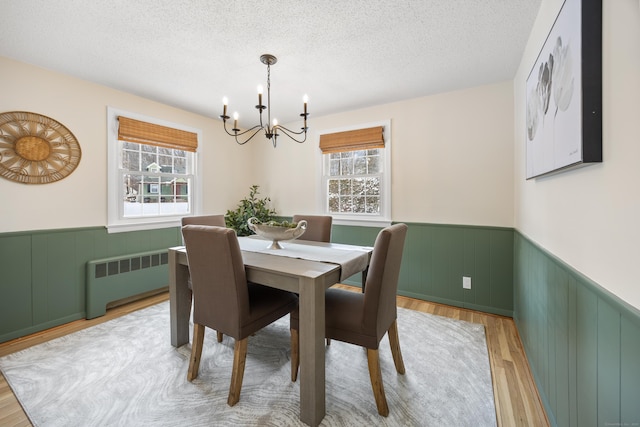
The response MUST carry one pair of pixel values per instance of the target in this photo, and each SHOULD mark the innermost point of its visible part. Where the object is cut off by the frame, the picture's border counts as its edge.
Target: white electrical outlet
(466, 282)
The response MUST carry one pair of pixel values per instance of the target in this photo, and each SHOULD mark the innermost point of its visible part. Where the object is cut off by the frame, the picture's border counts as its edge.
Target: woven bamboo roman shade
(359, 139)
(131, 130)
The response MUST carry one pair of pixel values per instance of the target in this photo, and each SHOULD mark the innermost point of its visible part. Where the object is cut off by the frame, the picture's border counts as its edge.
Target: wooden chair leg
(328, 341)
(394, 342)
(239, 359)
(196, 351)
(219, 336)
(376, 381)
(295, 354)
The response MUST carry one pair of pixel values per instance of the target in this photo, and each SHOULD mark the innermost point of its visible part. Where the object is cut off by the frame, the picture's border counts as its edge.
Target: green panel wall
(436, 257)
(44, 285)
(15, 285)
(43, 273)
(582, 343)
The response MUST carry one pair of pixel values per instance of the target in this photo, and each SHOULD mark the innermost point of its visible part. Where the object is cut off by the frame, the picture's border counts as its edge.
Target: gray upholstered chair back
(218, 278)
(318, 227)
(216, 220)
(381, 285)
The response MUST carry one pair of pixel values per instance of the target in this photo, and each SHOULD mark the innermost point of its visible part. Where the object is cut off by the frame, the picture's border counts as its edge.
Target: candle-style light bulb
(305, 99)
(225, 102)
(275, 122)
(260, 94)
(235, 120)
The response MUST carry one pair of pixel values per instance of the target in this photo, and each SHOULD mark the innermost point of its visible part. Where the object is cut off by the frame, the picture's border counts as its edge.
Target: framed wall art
(564, 93)
(36, 149)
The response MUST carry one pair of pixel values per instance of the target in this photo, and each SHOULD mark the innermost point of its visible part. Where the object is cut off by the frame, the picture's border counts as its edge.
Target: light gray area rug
(126, 373)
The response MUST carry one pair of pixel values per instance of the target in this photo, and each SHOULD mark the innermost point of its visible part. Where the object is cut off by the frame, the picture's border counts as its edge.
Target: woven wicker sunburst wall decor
(36, 149)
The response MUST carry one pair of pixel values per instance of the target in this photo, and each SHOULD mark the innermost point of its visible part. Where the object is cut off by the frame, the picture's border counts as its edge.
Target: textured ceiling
(343, 54)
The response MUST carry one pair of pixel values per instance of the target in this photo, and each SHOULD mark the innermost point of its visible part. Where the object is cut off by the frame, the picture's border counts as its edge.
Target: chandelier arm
(293, 132)
(243, 132)
(290, 133)
(248, 139)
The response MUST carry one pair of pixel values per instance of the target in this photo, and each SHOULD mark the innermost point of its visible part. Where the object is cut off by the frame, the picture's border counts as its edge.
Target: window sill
(361, 222)
(146, 225)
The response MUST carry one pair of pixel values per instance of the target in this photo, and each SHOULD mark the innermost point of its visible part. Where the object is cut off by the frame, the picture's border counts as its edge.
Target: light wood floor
(515, 394)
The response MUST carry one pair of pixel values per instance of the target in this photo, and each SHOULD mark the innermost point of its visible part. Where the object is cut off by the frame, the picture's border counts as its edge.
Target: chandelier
(271, 128)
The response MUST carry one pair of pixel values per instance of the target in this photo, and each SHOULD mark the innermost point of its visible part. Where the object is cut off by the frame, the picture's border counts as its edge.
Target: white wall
(79, 200)
(452, 158)
(590, 217)
(451, 155)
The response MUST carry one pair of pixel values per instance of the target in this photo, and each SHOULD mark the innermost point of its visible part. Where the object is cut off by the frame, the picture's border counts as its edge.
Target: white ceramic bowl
(276, 233)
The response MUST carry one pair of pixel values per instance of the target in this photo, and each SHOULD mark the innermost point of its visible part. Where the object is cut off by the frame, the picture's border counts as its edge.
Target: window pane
(358, 204)
(346, 166)
(372, 186)
(373, 164)
(147, 160)
(334, 186)
(373, 205)
(166, 164)
(334, 167)
(132, 187)
(334, 204)
(346, 204)
(180, 165)
(131, 160)
(360, 164)
(345, 187)
(358, 187)
(132, 208)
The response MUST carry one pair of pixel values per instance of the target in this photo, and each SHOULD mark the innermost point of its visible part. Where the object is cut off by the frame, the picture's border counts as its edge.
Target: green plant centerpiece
(250, 207)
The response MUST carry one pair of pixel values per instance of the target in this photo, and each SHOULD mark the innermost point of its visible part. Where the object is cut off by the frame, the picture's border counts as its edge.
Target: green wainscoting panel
(436, 257)
(629, 371)
(44, 272)
(15, 283)
(582, 342)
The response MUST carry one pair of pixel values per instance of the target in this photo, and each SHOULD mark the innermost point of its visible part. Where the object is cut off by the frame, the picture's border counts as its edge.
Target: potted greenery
(249, 207)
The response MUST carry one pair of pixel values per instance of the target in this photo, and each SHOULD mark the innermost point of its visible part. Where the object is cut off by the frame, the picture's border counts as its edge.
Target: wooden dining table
(309, 278)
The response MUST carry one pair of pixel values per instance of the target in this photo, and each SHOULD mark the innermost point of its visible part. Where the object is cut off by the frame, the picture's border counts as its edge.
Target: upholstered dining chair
(318, 227)
(363, 318)
(224, 300)
(216, 220)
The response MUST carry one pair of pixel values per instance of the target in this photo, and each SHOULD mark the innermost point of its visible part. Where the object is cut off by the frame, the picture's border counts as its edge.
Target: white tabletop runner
(351, 259)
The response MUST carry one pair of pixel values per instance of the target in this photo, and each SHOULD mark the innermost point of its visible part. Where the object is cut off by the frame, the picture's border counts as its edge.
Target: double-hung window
(153, 177)
(356, 174)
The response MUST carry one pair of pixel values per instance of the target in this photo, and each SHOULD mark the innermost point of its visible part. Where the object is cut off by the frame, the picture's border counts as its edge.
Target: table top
(284, 264)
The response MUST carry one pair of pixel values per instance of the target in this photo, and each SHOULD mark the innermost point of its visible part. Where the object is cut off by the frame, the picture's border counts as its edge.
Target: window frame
(116, 222)
(384, 218)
